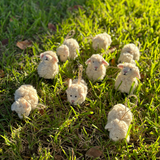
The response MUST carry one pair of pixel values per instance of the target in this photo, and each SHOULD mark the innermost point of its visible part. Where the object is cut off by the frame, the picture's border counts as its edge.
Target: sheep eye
(116, 137)
(93, 61)
(75, 96)
(119, 61)
(70, 95)
(130, 69)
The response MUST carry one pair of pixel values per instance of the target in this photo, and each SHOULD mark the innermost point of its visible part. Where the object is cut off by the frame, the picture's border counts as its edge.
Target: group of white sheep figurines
(120, 116)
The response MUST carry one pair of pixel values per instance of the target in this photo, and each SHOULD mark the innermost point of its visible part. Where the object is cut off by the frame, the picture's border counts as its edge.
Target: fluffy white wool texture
(68, 49)
(76, 93)
(48, 67)
(26, 99)
(21, 107)
(126, 57)
(117, 130)
(96, 69)
(121, 112)
(101, 41)
(127, 77)
(132, 49)
(73, 47)
(63, 52)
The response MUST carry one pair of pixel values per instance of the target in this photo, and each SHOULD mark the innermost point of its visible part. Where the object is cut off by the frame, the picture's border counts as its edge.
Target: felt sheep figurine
(131, 49)
(117, 130)
(48, 67)
(126, 57)
(119, 119)
(26, 99)
(77, 90)
(101, 41)
(96, 69)
(68, 49)
(127, 77)
(120, 111)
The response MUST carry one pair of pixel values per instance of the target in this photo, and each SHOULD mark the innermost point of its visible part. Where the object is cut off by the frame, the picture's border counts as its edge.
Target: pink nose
(96, 67)
(72, 101)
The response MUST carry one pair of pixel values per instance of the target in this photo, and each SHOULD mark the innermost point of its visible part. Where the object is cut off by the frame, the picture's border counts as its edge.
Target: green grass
(63, 130)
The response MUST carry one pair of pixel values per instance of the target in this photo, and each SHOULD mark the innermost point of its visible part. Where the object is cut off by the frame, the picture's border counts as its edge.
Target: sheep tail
(127, 102)
(70, 34)
(80, 74)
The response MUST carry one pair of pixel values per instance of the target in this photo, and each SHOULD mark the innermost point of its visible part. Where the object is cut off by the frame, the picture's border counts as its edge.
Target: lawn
(62, 131)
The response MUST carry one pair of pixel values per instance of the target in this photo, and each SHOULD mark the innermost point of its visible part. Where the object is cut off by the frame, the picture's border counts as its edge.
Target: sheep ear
(105, 63)
(41, 56)
(26, 105)
(69, 83)
(55, 59)
(138, 75)
(81, 94)
(120, 66)
(88, 61)
(108, 126)
(66, 51)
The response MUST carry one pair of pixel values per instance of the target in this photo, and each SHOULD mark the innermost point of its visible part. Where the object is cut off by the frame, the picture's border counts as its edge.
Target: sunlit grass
(69, 131)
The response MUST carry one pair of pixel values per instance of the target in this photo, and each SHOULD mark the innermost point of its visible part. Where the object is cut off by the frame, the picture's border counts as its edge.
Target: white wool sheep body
(63, 52)
(48, 67)
(26, 99)
(117, 130)
(121, 112)
(127, 77)
(21, 107)
(68, 49)
(126, 57)
(76, 92)
(119, 119)
(96, 69)
(101, 41)
(132, 49)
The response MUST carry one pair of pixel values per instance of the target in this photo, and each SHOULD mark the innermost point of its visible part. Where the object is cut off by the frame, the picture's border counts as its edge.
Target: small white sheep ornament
(130, 53)
(96, 69)
(48, 67)
(69, 48)
(101, 41)
(126, 78)
(77, 90)
(26, 99)
(119, 119)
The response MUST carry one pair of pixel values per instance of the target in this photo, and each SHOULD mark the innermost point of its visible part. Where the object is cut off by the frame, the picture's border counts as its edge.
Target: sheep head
(63, 52)
(130, 70)
(118, 130)
(96, 61)
(49, 57)
(21, 107)
(75, 92)
(100, 41)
